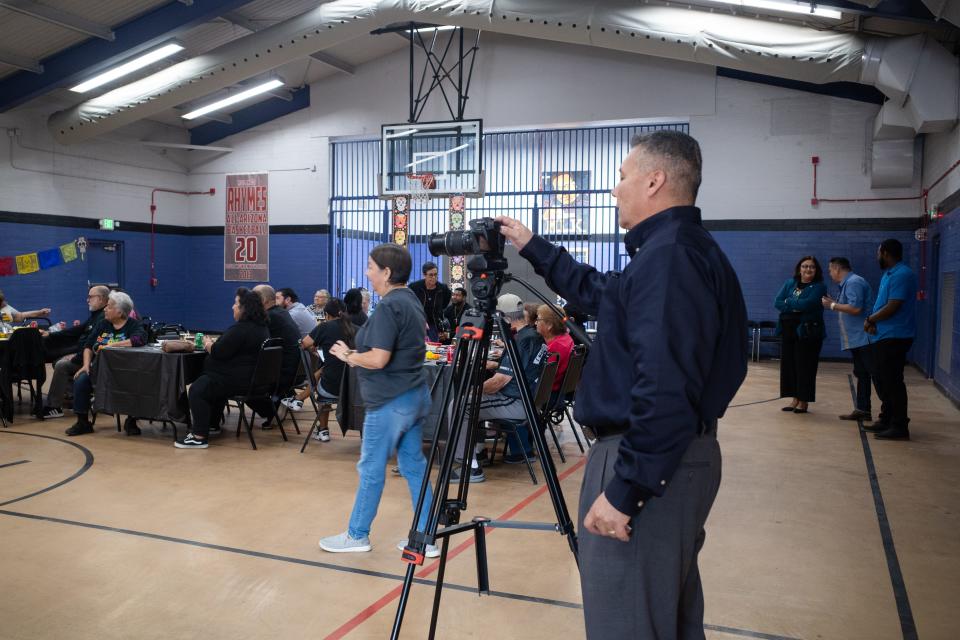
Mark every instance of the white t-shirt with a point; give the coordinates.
(8, 311)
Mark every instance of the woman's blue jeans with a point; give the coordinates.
(394, 426)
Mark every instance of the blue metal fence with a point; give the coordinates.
(556, 181)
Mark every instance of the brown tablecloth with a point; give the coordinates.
(145, 382)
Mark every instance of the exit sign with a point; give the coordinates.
(107, 224)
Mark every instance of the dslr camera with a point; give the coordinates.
(482, 238)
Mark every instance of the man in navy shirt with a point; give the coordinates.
(670, 353)
(852, 305)
(892, 326)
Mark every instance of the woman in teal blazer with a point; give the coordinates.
(802, 332)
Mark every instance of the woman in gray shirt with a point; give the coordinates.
(389, 361)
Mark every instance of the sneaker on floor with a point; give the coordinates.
(267, 424)
(857, 414)
(49, 413)
(432, 550)
(79, 428)
(323, 435)
(215, 430)
(476, 475)
(343, 543)
(130, 426)
(517, 458)
(191, 442)
(292, 403)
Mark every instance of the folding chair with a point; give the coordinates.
(301, 372)
(27, 365)
(541, 395)
(769, 338)
(564, 400)
(263, 385)
(320, 404)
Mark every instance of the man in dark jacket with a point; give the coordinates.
(433, 295)
(670, 353)
(281, 326)
(453, 312)
(71, 341)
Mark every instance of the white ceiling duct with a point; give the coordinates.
(944, 10)
(717, 39)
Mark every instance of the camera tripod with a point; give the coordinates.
(464, 389)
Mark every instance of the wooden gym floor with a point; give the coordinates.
(106, 536)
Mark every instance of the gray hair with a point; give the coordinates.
(323, 292)
(678, 154)
(122, 302)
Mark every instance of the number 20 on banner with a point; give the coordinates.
(245, 249)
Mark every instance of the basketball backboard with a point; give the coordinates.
(448, 154)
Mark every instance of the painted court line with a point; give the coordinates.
(13, 464)
(907, 625)
(394, 593)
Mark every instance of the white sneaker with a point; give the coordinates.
(292, 403)
(432, 551)
(343, 543)
(323, 435)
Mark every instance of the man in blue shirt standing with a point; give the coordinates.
(852, 305)
(892, 326)
(670, 353)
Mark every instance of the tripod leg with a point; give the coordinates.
(439, 589)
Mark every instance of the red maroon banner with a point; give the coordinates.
(246, 229)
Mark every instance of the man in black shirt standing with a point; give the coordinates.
(433, 295)
(670, 353)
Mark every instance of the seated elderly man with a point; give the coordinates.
(66, 367)
(281, 326)
(9, 314)
(287, 299)
(320, 300)
(501, 392)
(116, 330)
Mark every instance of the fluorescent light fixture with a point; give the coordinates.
(235, 98)
(128, 67)
(445, 27)
(789, 7)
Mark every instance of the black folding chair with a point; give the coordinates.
(263, 386)
(541, 401)
(564, 399)
(27, 365)
(770, 337)
(320, 403)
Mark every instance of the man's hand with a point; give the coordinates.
(604, 520)
(826, 301)
(340, 350)
(515, 232)
(43, 313)
(870, 327)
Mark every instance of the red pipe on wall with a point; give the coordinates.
(154, 282)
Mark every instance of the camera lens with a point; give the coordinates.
(453, 243)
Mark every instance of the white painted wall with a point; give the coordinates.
(102, 179)
(757, 139)
(940, 151)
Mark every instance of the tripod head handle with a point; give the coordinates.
(575, 330)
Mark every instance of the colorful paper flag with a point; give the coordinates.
(28, 263)
(69, 251)
(50, 258)
(7, 266)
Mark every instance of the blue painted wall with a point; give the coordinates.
(765, 259)
(926, 348)
(190, 270)
(192, 290)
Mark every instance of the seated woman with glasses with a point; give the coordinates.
(228, 369)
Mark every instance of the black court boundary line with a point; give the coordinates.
(747, 404)
(87, 463)
(13, 464)
(335, 567)
(907, 625)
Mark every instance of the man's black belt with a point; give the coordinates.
(707, 428)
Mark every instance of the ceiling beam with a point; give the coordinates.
(334, 62)
(93, 56)
(59, 18)
(190, 147)
(20, 62)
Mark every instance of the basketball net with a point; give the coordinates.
(421, 184)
